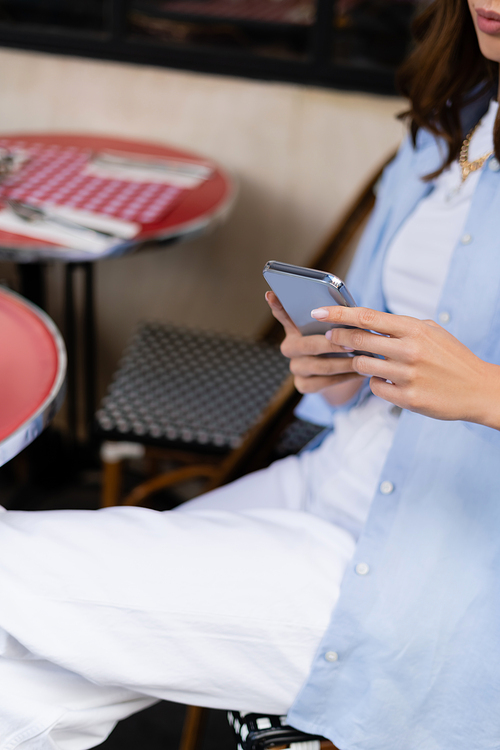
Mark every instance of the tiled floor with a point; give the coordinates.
(45, 478)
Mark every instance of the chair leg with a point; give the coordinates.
(194, 728)
(170, 478)
(111, 483)
(112, 457)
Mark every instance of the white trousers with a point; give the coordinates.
(221, 603)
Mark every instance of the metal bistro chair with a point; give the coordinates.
(266, 732)
(212, 404)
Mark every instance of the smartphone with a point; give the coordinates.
(301, 290)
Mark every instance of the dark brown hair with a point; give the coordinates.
(438, 77)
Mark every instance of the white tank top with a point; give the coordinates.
(419, 256)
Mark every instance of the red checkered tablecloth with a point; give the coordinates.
(56, 174)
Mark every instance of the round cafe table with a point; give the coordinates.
(196, 211)
(32, 372)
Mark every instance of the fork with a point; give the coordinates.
(30, 213)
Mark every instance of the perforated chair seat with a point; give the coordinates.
(176, 385)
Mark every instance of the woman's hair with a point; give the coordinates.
(442, 71)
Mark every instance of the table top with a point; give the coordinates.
(196, 210)
(32, 372)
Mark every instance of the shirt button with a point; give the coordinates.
(444, 317)
(494, 165)
(466, 239)
(362, 569)
(386, 487)
(331, 656)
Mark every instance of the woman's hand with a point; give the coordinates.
(335, 377)
(426, 369)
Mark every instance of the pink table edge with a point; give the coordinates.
(36, 422)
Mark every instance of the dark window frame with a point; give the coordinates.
(114, 44)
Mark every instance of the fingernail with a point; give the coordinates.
(320, 314)
(347, 348)
(328, 335)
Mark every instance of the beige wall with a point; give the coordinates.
(299, 154)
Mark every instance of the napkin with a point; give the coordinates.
(77, 239)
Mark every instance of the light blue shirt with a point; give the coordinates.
(411, 658)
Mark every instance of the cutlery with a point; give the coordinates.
(30, 213)
(191, 169)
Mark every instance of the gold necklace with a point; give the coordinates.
(470, 166)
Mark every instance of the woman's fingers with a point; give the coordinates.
(329, 366)
(316, 383)
(279, 313)
(364, 317)
(371, 367)
(364, 341)
(295, 344)
(386, 390)
(309, 346)
(310, 362)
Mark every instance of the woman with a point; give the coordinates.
(356, 585)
